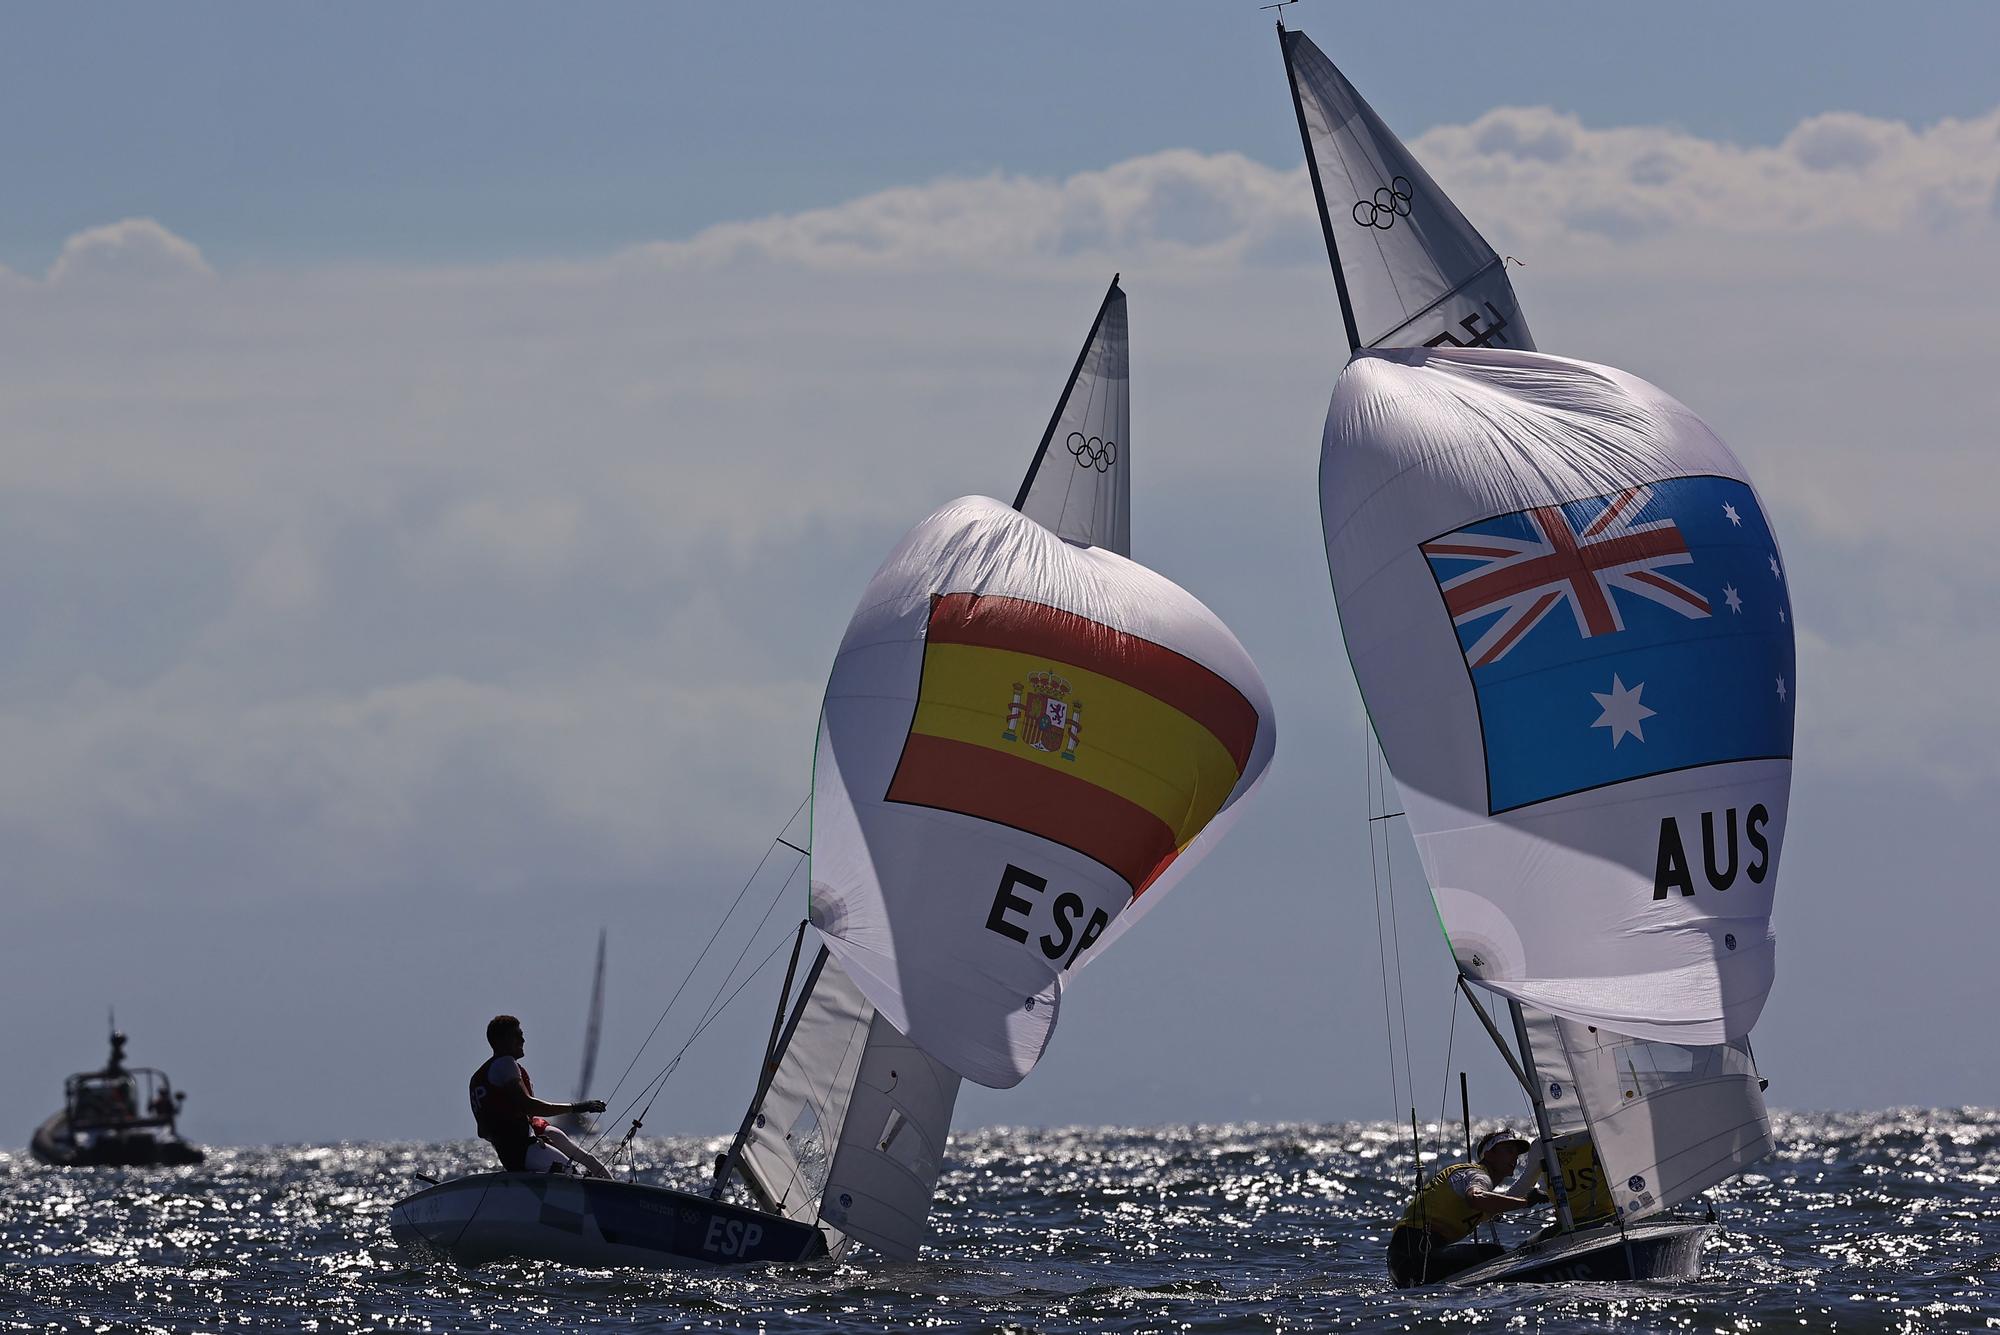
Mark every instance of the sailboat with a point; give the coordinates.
(584, 1124)
(1569, 619)
(1026, 739)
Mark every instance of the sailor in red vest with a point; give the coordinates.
(514, 1120)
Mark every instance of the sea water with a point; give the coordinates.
(1885, 1221)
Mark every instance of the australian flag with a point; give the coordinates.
(1622, 635)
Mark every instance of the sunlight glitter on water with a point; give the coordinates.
(1872, 1222)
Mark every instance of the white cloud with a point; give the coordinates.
(134, 250)
(531, 572)
(1530, 173)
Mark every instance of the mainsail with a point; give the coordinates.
(1079, 486)
(1412, 271)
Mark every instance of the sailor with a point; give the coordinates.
(1427, 1245)
(514, 1120)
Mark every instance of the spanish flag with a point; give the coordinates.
(1093, 738)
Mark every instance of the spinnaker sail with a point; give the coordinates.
(1020, 740)
(1568, 616)
(1412, 271)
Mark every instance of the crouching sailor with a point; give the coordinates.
(1428, 1244)
(514, 1120)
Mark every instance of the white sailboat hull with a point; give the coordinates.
(592, 1222)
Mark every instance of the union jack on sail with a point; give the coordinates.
(1556, 560)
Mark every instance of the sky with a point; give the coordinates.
(443, 445)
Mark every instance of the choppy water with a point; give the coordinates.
(1865, 1222)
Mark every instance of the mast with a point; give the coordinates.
(594, 1025)
(1549, 1162)
(1055, 418)
(1319, 196)
(774, 1051)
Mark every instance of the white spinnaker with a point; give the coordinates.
(1080, 486)
(1417, 273)
(1555, 898)
(1669, 1120)
(851, 1133)
(961, 928)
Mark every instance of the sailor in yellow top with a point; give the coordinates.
(1427, 1245)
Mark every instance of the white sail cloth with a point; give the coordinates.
(1081, 485)
(1569, 621)
(1020, 742)
(1668, 1121)
(1417, 273)
(851, 1133)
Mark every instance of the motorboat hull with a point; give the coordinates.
(1653, 1249)
(53, 1144)
(592, 1222)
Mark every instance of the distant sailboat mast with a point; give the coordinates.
(593, 1026)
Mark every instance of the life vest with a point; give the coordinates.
(1439, 1208)
(501, 1113)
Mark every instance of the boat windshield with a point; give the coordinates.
(134, 1097)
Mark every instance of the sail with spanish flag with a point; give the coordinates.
(1027, 739)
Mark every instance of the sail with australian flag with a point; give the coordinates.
(1569, 618)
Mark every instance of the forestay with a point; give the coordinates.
(1669, 1121)
(851, 1133)
(1020, 741)
(1080, 484)
(1569, 620)
(1416, 273)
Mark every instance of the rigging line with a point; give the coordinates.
(652, 1089)
(1451, 1036)
(1381, 944)
(710, 1011)
(749, 941)
(689, 977)
(1395, 927)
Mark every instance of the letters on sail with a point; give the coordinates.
(1415, 273)
(1022, 740)
(1570, 621)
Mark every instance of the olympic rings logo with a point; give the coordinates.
(1093, 452)
(1391, 202)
